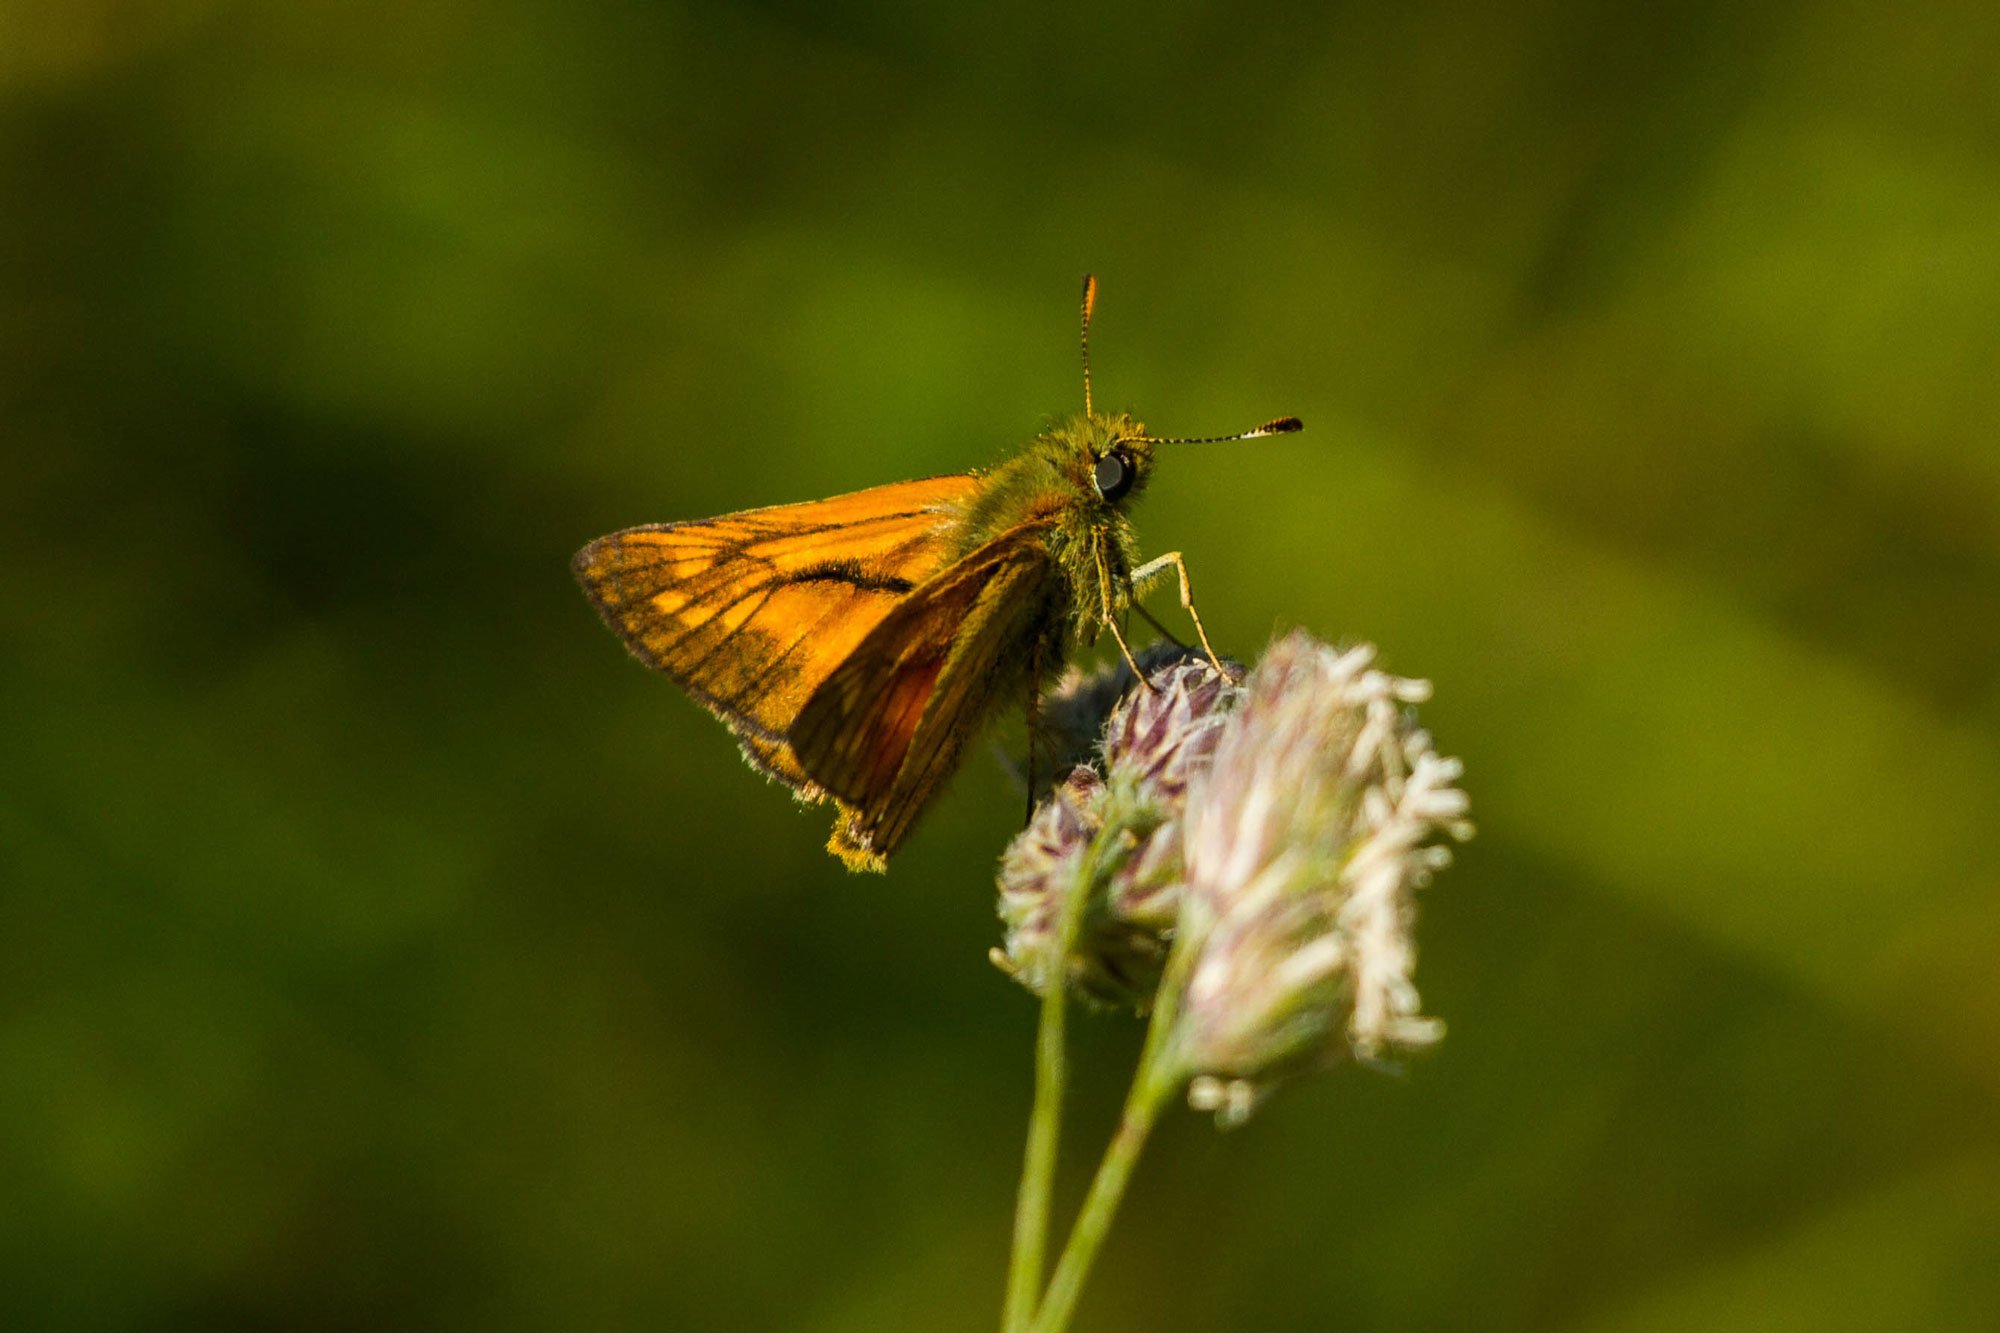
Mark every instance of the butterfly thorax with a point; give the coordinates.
(1049, 486)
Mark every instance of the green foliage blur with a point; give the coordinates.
(384, 949)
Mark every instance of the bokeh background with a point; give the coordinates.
(381, 948)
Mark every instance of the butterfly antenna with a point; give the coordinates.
(1089, 304)
(1282, 426)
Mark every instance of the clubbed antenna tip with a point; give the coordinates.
(1282, 426)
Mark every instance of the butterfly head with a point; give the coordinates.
(1113, 457)
(1115, 449)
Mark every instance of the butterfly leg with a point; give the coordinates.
(1111, 621)
(1158, 566)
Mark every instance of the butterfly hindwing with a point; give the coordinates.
(752, 612)
(883, 731)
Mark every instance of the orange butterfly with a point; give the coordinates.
(855, 644)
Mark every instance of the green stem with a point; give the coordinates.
(1038, 1166)
(1142, 1106)
(1031, 1206)
(1155, 1080)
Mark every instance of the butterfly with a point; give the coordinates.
(854, 645)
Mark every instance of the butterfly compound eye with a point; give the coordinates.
(1113, 476)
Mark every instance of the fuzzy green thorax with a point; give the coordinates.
(1051, 482)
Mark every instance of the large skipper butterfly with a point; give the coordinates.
(855, 644)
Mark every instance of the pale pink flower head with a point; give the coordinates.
(1306, 840)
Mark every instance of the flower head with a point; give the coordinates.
(1156, 742)
(1071, 716)
(1304, 844)
(1118, 826)
(1037, 869)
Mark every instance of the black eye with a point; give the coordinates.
(1113, 476)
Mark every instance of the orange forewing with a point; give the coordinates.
(884, 730)
(751, 613)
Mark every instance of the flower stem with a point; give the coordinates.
(1155, 1080)
(1031, 1207)
(1142, 1107)
(1038, 1166)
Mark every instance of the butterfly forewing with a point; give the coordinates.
(752, 612)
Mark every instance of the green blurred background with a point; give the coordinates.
(384, 949)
